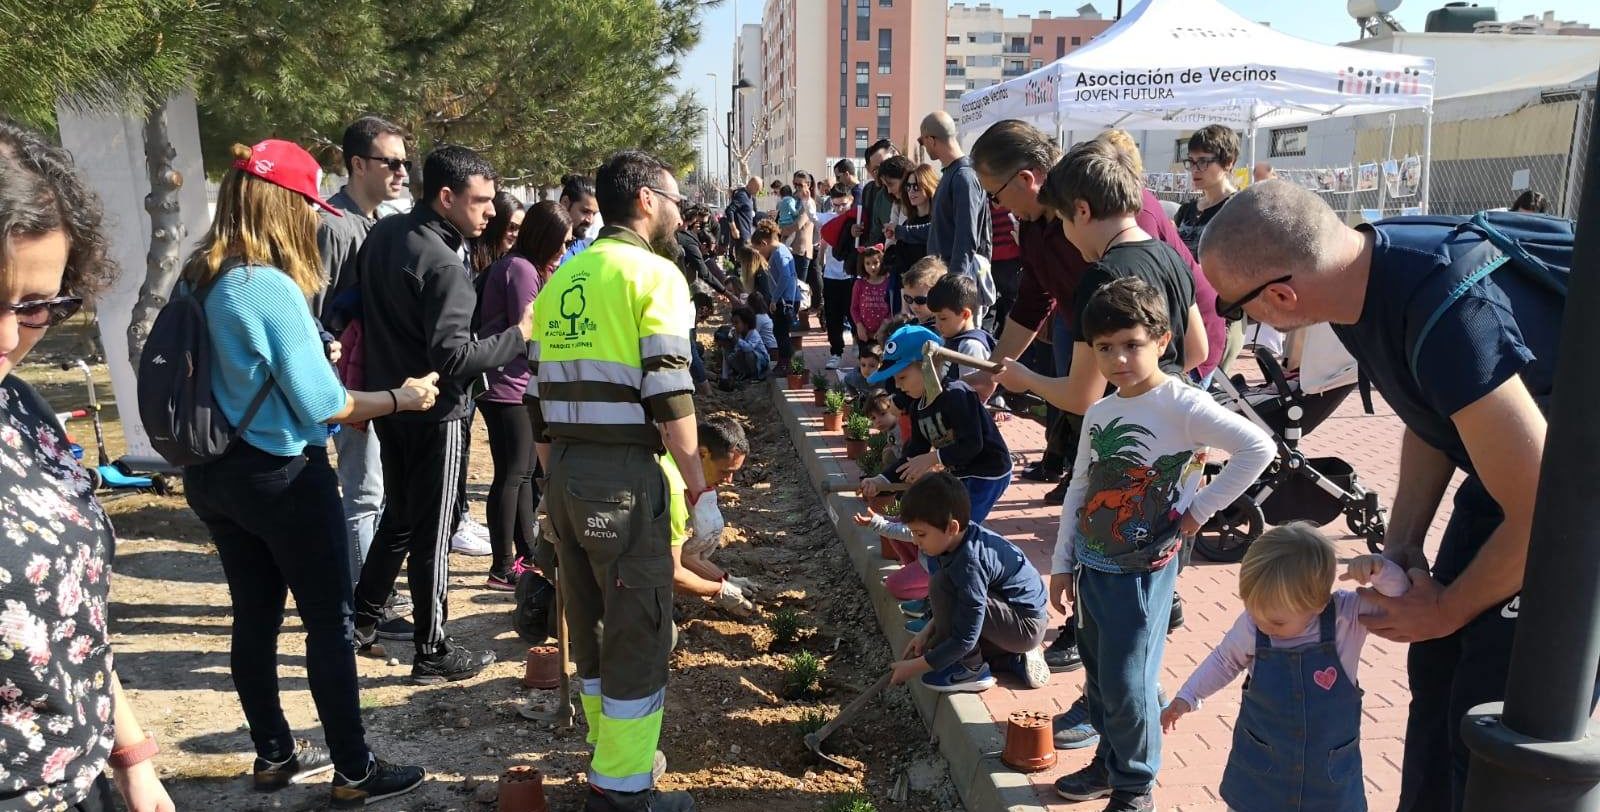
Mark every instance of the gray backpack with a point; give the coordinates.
(176, 404)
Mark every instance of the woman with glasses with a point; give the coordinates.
(510, 285)
(915, 200)
(63, 716)
(271, 503)
(1212, 152)
(500, 235)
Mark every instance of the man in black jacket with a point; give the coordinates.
(418, 299)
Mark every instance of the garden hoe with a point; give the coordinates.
(933, 355)
(562, 713)
(839, 483)
(814, 740)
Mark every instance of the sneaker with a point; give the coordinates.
(1175, 620)
(1087, 784)
(452, 664)
(398, 605)
(914, 608)
(1058, 494)
(917, 624)
(397, 628)
(956, 678)
(605, 800)
(1123, 801)
(383, 780)
(468, 539)
(1062, 655)
(1072, 730)
(1041, 471)
(833, 362)
(501, 583)
(1035, 672)
(365, 636)
(307, 761)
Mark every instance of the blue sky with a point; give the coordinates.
(1320, 20)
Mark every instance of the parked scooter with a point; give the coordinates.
(125, 473)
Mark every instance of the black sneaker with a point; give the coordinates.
(365, 637)
(1175, 620)
(1042, 471)
(1058, 494)
(383, 780)
(451, 664)
(1072, 730)
(605, 800)
(1122, 801)
(397, 628)
(1062, 655)
(308, 761)
(1087, 784)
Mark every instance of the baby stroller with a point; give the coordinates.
(1294, 487)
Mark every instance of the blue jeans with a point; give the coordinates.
(360, 488)
(1122, 632)
(984, 493)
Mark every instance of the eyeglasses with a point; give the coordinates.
(1199, 163)
(918, 300)
(672, 196)
(994, 196)
(1235, 310)
(394, 164)
(41, 313)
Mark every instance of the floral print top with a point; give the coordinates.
(55, 570)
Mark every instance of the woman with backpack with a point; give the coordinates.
(271, 501)
(63, 716)
(509, 286)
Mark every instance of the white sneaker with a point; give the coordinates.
(833, 362)
(471, 538)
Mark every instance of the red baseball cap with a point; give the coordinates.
(286, 164)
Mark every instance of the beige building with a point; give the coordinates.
(984, 47)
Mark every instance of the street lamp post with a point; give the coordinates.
(711, 122)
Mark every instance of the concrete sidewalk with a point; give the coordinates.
(970, 727)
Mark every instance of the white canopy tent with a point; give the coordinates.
(1183, 64)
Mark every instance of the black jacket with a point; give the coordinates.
(742, 211)
(417, 302)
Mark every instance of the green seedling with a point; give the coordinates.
(852, 803)
(797, 365)
(858, 427)
(833, 402)
(786, 626)
(810, 721)
(819, 380)
(802, 675)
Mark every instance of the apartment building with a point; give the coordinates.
(841, 74)
(984, 46)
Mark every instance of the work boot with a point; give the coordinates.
(605, 800)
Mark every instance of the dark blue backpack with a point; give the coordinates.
(1537, 247)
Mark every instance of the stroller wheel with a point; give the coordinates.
(1229, 533)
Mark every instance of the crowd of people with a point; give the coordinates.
(1056, 277)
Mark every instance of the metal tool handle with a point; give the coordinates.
(936, 353)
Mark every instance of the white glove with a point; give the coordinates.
(746, 585)
(707, 521)
(731, 599)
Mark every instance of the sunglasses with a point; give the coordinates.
(1235, 310)
(394, 164)
(1199, 163)
(994, 196)
(42, 313)
(918, 300)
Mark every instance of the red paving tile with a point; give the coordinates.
(1196, 753)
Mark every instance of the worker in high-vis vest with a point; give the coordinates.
(611, 394)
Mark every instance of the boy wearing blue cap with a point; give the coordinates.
(951, 431)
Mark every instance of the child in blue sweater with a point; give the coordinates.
(988, 600)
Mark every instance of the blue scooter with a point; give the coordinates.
(124, 474)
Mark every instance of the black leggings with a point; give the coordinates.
(835, 310)
(512, 494)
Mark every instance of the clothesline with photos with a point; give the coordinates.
(1400, 178)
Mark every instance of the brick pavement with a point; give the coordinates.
(1195, 754)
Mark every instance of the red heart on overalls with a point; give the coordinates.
(1326, 677)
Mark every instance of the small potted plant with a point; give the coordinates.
(819, 387)
(833, 410)
(871, 461)
(797, 371)
(856, 431)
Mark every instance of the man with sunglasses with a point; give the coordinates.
(1471, 391)
(377, 171)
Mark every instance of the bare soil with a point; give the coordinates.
(729, 736)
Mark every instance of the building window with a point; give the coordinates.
(883, 115)
(952, 95)
(862, 138)
(1289, 142)
(862, 75)
(956, 40)
(1061, 47)
(1038, 40)
(863, 20)
(1077, 41)
(885, 49)
(1038, 63)
(885, 3)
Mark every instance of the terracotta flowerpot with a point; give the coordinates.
(853, 449)
(886, 549)
(796, 381)
(798, 343)
(819, 397)
(543, 668)
(1029, 743)
(882, 502)
(522, 790)
(832, 421)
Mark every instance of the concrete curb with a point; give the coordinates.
(967, 737)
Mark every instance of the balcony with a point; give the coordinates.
(1015, 50)
(951, 71)
(1011, 72)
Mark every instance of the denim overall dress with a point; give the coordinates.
(1297, 744)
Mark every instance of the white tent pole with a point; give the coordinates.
(1253, 132)
(1427, 162)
